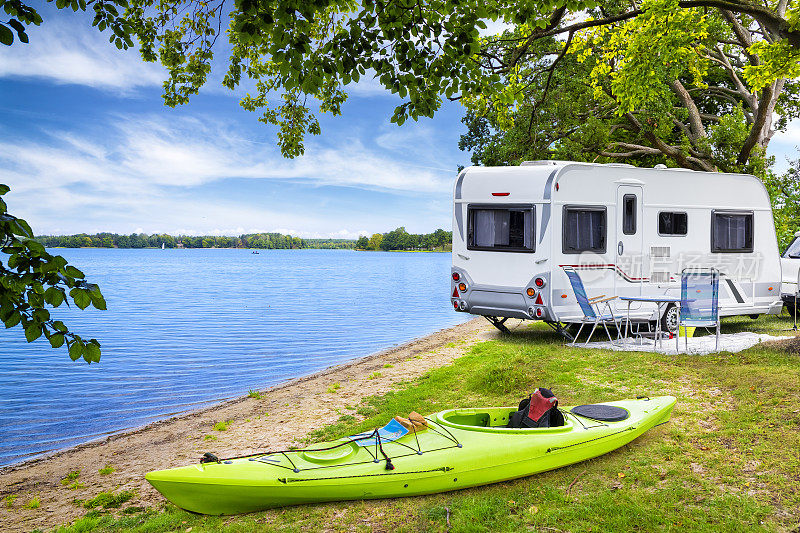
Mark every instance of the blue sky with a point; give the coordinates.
(87, 145)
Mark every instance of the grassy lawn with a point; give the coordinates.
(728, 461)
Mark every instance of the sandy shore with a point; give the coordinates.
(284, 415)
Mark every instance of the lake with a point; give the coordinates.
(187, 328)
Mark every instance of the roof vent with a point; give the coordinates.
(537, 163)
(660, 166)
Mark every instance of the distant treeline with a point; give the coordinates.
(141, 240)
(400, 239)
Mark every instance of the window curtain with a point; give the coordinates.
(501, 227)
(730, 232)
(484, 228)
(528, 231)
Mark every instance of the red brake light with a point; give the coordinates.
(500, 193)
(456, 276)
(539, 312)
(539, 282)
(455, 306)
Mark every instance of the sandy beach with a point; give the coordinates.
(281, 417)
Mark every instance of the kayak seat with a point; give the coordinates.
(601, 412)
(490, 419)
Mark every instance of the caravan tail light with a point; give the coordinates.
(539, 282)
(462, 287)
(539, 312)
(455, 305)
(531, 292)
(463, 305)
(456, 276)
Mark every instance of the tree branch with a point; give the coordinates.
(696, 123)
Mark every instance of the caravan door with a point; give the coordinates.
(629, 261)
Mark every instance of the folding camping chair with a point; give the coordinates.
(699, 302)
(592, 313)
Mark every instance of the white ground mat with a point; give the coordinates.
(730, 342)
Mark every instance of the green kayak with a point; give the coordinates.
(460, 448)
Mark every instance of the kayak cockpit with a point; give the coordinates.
(490, 419)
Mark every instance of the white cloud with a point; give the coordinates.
(143, 169)
(68, 53)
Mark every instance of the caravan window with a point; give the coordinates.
(501, 228)
(584, 229)
(672, 223)
(629, 214)
(731, 232)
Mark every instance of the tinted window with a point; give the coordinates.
(731, 232)
(508, 229)
(629, 214)
(793, 251)
(672, 223)
(584, 230)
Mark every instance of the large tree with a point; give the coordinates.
(682, 87)
(301, 52)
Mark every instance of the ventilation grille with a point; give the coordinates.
(659, 252)
(659, 277)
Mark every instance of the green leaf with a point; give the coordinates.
(75, 350)
(98, 301)
(4, 188)
(81, 297)
(54, 296)
(57, 340)
(6, 35)
(73, 272)
(35, 247)
(92, 351)
(13, 320)
(33, 331)
(25, 229)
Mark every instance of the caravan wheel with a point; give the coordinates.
(669, 321)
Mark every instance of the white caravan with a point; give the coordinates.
(627, 231)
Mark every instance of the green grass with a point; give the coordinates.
(222, 425)
(727, 462)
(109, 500)
(333, 387)
(254, 394)
(9, 500)
(106, 470)
(71, 477)
(33, 503)
(375, 375)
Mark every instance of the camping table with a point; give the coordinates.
(659, 301)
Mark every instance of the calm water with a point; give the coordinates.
(185, 328)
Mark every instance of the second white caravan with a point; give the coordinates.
(627, 231)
